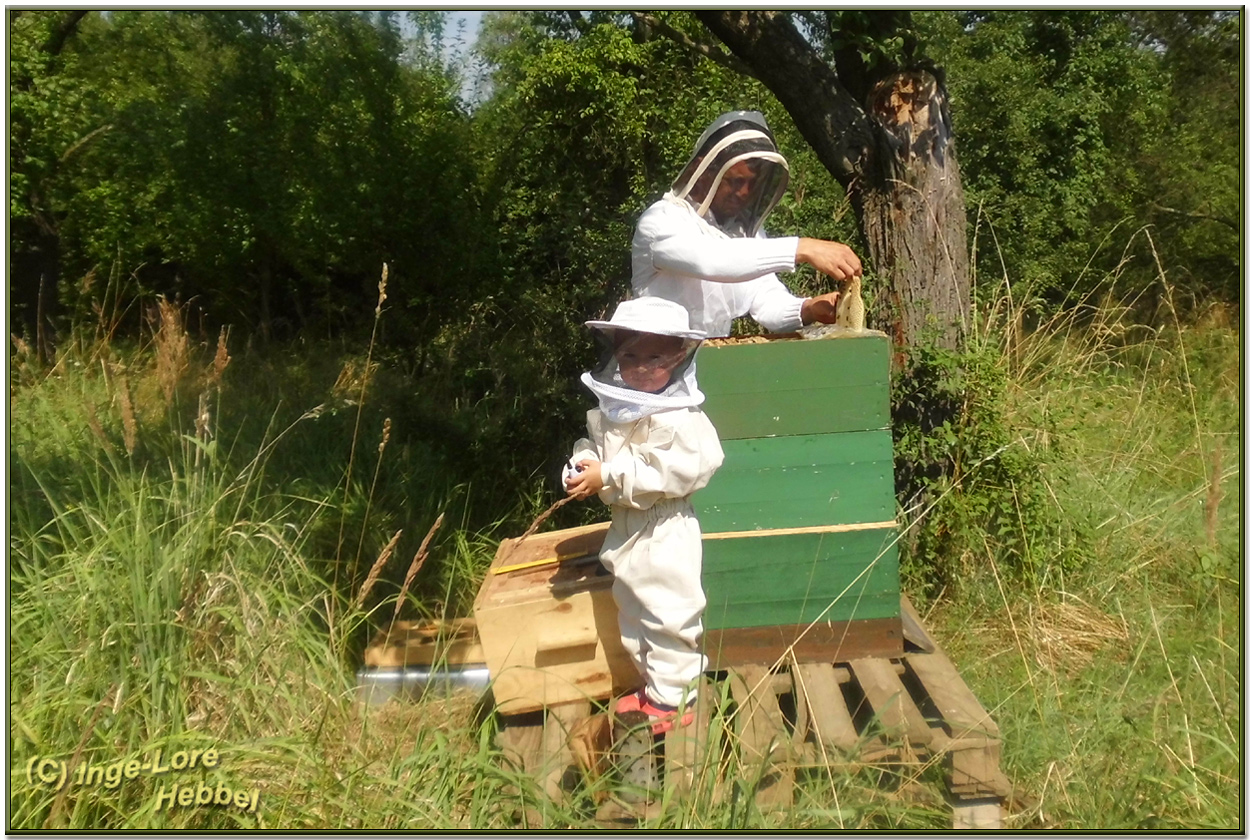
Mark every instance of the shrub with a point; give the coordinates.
(968, 480)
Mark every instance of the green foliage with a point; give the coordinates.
(46, 112)
(266, 163)
(882, 40)
(970, 482)
(1189, 186)
(1076, 129)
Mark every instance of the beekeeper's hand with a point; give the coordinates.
(586, 481)
(820, 310)
(832, 258)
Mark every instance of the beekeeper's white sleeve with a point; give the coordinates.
(679, 256)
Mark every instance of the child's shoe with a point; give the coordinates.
(662, 717)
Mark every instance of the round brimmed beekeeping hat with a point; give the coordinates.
(655, 315)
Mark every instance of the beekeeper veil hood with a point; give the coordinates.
(736, 176)
(646, 355)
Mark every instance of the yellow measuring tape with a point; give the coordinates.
(559, 558)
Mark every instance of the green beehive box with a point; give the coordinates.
(799, 550)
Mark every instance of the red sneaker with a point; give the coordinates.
(663, 718)
(631, 702)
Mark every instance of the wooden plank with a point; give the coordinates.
(550, 635)
(790, 412)
(682, 753)
(890, 700)
(977, 814)
(961, 713)
(966, 726)
(802, 719)
(763, 742)
(557, 754)
(522, 744)
(757, 721)
(591, 743)
(913, 630)
(835, 641)
(811, 529)
(800, 480)
(975, 770)
(570, 542)
(817, 688)
(711, 723)
(747, 612)
(851, 551)
(545, 561)
(782, 387)
(453, 642)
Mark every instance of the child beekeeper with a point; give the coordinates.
(650, 448)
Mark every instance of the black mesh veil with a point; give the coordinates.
(736, 176)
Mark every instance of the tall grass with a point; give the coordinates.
(1116, 680)
(172, 589)
(176, 511)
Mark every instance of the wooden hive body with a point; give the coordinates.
(799, 532)
(547, 622)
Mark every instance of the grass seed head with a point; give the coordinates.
(418, 560)
(130, 427)
(171, 348)
(220, 359)
(376, 569)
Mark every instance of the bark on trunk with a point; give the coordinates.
(828, 117)
(911, 208)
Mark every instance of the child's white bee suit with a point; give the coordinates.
(655, 449)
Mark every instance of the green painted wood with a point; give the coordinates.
(792, 578)
(796, 387)
(805, 428)
(800, 481)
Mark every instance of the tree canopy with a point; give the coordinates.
(263, 164)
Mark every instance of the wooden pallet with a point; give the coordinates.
(912, 709)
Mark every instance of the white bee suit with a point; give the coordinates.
(650, 467)
(720, 269)
(681, 257)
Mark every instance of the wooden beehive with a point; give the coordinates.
(425, 643)
(547, 622)
(799, 530)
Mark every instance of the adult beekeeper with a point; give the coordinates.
(650, 447)
(702, 245)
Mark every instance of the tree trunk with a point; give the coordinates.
(911, 210)
(894, 156)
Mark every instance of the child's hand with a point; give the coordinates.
(586, 481)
